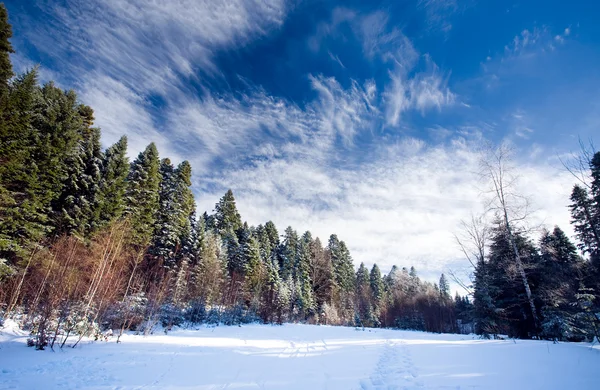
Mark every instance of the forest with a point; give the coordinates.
(91, 241)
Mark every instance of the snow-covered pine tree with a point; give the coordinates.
(111, 195)
(165, 241)
(377, 293)
(227, 219)
(142, 195)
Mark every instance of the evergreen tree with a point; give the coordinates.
(363, 296)
(344, 277)
(321, 274)
(165, 242)
(6, 72)
(60, 127)
(185, 208)
(75, 209)
(255, 272)
(227, 217)
(142, 195)
(113, 185)
(287, 253)
(306, 303)
(559, 284)
(444, 287)
(23, 214)
(376, 282)
(585, 221)
(486, 315)
(505, 285)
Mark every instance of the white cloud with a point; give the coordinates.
(422, 91)
(343, 112)
(401, 207)
(407, 88)
(122, 52)
(438, 13)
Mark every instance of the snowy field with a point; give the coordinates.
(299, 357)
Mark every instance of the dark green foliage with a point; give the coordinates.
(142, 195)
(585, 221)
(287, 253)
(227, 218)
(111, 194)
(74, 212)
(5, 49)
(22, 213)
(166, 230)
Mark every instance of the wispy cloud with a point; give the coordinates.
(422, 91)
(126, 51)
(439, 12)
(401, 207)
(409, 86)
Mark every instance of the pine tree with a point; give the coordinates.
(254, 270)
(306, 304)
(287, 253)
(485, 313)
(165, 241)
(363, 296)
(6, 48)
(377, 293)
(75, 209)
(227, 217)
(113, 185)
(584, 220)
(321, 275)
(60, 127)
(444, 287)
(23, 215)
(343, 275)
(505, 285)
(142, 195)
(559, 284)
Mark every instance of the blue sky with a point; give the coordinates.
(360, 118)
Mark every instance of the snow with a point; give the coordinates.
(298, 357)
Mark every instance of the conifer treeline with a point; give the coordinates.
(89, 240)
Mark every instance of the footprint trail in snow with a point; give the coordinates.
(395, 369)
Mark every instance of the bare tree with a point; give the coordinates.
(509, 206)
(579, 164)
(473, 242)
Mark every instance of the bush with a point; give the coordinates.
(170, 316)
(196, 313)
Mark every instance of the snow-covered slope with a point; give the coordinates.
(300, 357)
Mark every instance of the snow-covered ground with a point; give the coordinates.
(299, 357)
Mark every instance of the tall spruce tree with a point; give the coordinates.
(165, 242)
(287, 253)
(6, 72)
(142, 195)
(559, 284)
(585, 221)
(444, 287)
(306, 304)
(113, 185)
(377, 292)
(22, 213)
(364, 313)
(75, 209)
(186, 208)
(227, 218)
